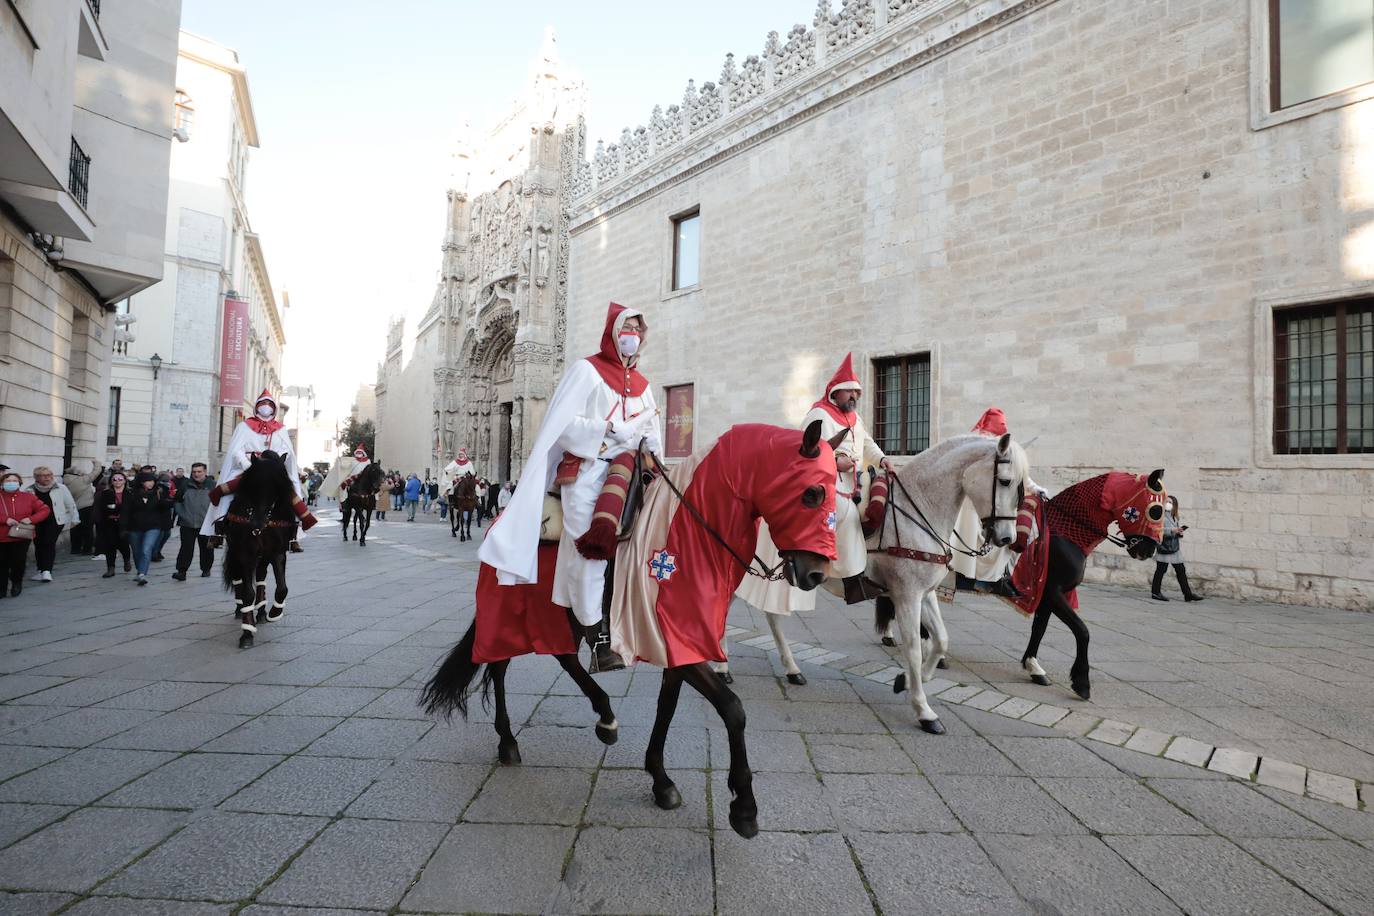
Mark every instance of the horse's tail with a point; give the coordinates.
(884, 612)
(224, 565)
(449, 689)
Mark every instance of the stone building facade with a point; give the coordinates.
(172, 415)
(487, 353)
(1101, 217)
(85, 130)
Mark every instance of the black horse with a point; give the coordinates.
(257, 530)
(361, 501)
(462, 503)
(1080, 515)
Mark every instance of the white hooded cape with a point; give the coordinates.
(237, 458)
(511, 546)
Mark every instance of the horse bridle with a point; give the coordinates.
(920, 520)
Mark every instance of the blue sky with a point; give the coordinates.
(358, 105)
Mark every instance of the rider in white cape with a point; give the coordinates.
(601, 408)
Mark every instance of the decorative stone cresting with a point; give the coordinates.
(832, 48)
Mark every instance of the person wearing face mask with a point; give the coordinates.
(21, 512)
(256, 434)
(63, 513)
(601, 408)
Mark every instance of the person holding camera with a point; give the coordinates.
(1170, 553)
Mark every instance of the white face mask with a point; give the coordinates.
(266, 412)
(628, 344)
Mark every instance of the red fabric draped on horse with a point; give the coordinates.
(1071, 525)
(674, 579)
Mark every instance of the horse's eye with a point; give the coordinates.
(813, 497)
(1005, 483)
(1155, 512)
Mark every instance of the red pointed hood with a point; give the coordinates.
(360, 453)
(844, 377)
(992, 423)
(265, 427)
(617, 371)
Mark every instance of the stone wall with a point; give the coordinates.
(54, 359)
(1065, 205)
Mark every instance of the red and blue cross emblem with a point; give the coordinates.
(662, 565)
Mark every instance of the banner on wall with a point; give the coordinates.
(233, 355)
(681, 421)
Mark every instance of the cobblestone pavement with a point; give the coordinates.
(147, 766)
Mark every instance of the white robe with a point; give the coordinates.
(575, 422)
(238, 457)
(345, 466)
(851, 551)
(452, 472)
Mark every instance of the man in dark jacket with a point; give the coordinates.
(192, 502)
(141, 518)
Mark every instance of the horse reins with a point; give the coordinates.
(923, 523)
(769, 573)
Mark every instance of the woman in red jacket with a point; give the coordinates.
(16, 507)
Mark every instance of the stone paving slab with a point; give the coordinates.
(148, 766)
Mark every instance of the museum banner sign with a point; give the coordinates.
(233, 357)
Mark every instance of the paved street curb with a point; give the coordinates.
(1238, 764)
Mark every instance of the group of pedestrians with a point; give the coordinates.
(116, 512)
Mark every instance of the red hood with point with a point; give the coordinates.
(615, 371)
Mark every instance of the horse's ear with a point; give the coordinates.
(810, 447)
(838, 439)
(1004, 444)
(1156, 481)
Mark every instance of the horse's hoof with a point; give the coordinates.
(260, 616)
(508, 754)
(607, 733)
(889, 642)
(747, 827)
(1084, 691)
(1042, 679)
(668, 798)
(941, 664)
(725, 677)
(281, 612)
(245, 640)
(899, 683)
(798, 679)
(933, 726)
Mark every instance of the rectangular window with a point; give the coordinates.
(112, 437)
(901, 413)
(681, 422)
(1324, 379)
(1319, 48)
(686, 249)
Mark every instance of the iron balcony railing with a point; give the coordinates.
(79, 174)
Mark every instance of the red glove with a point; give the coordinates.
(215, 494)
(1022, 539)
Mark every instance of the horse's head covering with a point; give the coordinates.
(618, 371)
(360, 453)
(1136, 502)
(992, 423)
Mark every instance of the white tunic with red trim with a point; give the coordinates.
(245, 443)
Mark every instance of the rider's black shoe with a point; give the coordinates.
(598, 637)
(1002, 588)
(295, 547)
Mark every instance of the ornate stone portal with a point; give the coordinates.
(494, 331)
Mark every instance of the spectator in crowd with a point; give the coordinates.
(431, 491)
(80, 480)
(21, 512)
(412, 496)
(398, 491)
(442, 500)
(191, 503)
(109, 505)
(1170, 553)
(503, 499)
(116, 467)
(168, 486)
(61, 513)
(482, 489)
(141, 519)
(494, 489)
(424, 495)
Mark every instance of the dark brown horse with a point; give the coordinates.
(257, 530)
(361, 501)
(462, 505)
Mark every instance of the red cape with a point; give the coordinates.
(515, 620)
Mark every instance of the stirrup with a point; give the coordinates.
(598, 637)
(861, 588)
(215, 541)
(295, 547)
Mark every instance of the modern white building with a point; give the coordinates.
(168, 405)
(85, 127)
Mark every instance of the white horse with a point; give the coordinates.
(924, 499)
